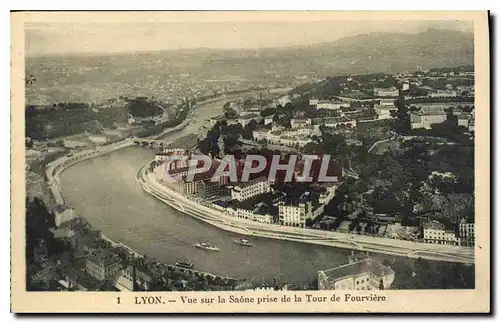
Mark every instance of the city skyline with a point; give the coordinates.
(113, 37)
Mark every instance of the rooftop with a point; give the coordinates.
(368, 265)
(434, 225)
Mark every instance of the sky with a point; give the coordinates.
(46, 38)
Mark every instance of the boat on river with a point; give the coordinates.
(243, 242)
(207, 246)
(184, 263)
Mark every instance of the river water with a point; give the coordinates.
(103, 190)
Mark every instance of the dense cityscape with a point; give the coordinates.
(398, 210)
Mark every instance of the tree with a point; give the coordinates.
(38, 222)
(249, 129)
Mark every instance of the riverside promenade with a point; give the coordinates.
(362, 243)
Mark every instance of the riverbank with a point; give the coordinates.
(304, 235)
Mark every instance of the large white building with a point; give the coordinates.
(434, 232)
(327, 104)
(285, 137)
(386, 92)
(300, 122)
(426, 117)
(250, 215)
(367, 274)
(250, 189)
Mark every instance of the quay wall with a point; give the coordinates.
(328, 238)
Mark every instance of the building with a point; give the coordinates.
(214, 120)
(98, 140)
(340, 121)
(367, 274)
(102, 264)
(253, 215)
(463, 120)
(434, 232)
(329, 105)
(442, 94)
(295, 215)
(300, 123)
(68, 143)
(426, 117)
(40, 251)
(471, 124)
(125, 281)
(63, 214)
(466, 233)
(250, 189)
(386, 92)
(269, 119)
(383, 109)
(245, 119)
(200, 186)
(285, 137)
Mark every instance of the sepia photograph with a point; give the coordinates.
(250, 161)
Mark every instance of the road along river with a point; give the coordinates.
(104, 191)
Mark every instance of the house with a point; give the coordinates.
(434, 232)
(246, 119)
(427, 116)
(386, 92)
(250, 189)
(329, 105)
(63, 214)
(214, 120)
(366, 274)
(300, 122)
(102, 264)
(253, 215)
(466, 230)
(295, 215)
(98, 140)
(269, 119)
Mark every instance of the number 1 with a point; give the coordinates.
(118, 300)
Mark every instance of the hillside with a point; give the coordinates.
(93, 78)
(381, 52)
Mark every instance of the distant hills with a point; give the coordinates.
(89, 78)
(374, 52)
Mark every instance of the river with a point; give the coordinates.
(104, 191)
